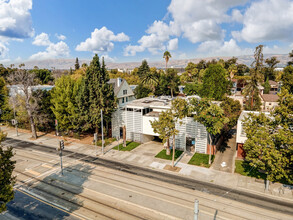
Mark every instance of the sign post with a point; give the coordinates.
(196, 211)
(56, 126)
(14, 122)
(61, 143)
(96, 142)
(102, 132)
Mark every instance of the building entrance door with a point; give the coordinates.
(190, 142)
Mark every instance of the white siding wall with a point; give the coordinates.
(118, 120)
(147, 127)
(133, 125)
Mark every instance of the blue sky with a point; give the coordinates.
(132, 30)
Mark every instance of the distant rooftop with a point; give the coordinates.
(160, 102)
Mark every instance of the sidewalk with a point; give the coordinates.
(144, 154)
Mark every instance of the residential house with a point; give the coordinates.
(17, 89)
(269, 102)
(274, 87)
(136, 117)
(122, 91)
(240, 134)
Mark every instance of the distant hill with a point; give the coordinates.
(67, 63)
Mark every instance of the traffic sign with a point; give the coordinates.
(14, 122)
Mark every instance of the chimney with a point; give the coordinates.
(119, 81)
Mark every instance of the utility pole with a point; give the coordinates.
(96, 142)
(56, 125)
(118, 127)
(102, 132)
(196, 211)
(15, 120)
(61, 145)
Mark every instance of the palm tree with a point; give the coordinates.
(167, 56)
(150, 80)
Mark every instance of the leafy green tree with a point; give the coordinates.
(143, 69)
(269, 72)
(7, 181)
(201, 65)
(287, 78)
(268, 147)
(142, 91)
(267, 87)
(283, 113)
(215, 85)
(211, 116)
(232, 110)
(242, 69)
(191, 74)
(4, 101)
(165, 127)
(168, 83)
(192, 88)
(230, 62)
(46, 117)
(167, 56)
(63, 102)
(76, 65)
(43, 76)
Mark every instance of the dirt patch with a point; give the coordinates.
(170, 168)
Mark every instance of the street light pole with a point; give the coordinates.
(118, 128)
(102, 132)
(15, 119)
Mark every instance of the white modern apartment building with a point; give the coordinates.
(136, 117)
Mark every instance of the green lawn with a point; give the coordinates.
(201, 160)
(242, 167)
(129, 146)
(163, 155)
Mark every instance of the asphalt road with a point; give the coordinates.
(28, 207)
(240, 196)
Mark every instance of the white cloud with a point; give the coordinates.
(101, 40)
(42, 40)
(131, 50)
(6, 61)
(173, 44)
(3, 50)
(109, 59)
(59, 49)
(222, 48)
(237, 16)
(267, 20)
(15, 18)
(195, 20)
(60, 36)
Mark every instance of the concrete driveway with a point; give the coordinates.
(151, 148)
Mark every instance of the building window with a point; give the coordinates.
(123, 100)
(125, 92)
(126, 99)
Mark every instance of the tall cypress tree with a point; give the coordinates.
(76, 64)
(95, 94)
